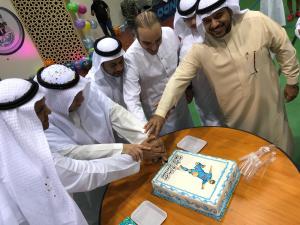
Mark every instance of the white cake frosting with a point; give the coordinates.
(197, 181)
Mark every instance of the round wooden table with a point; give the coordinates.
(271, 197)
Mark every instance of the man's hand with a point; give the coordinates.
(135, 150)
(154, 125)
(158, 150)
(291, 92)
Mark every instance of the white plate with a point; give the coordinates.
(148, 214)
(191, 144)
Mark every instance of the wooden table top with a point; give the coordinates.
(271, 197)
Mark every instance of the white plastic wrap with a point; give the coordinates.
(251, 163)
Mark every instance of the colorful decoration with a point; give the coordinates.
(11, 32)
(93, 23)
(82, 9)
(87, 26)
(72, 7)
(77, 65)
(91, 51)
(85, 63)
(79, 23)
(88, 43)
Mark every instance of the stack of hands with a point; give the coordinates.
(152, 149)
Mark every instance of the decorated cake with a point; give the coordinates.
(200, 182)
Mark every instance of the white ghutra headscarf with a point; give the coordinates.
(60, 86)
(106, 49)
(185, 9)
(30, 189)
(208, 7)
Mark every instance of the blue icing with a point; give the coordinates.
(127, 221)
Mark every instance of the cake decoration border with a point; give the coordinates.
(224, 204)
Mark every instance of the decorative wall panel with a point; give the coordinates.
(51, 29)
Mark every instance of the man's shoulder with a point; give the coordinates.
(253, 15)
(168, 30)
(133, 49)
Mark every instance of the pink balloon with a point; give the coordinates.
(82, 9)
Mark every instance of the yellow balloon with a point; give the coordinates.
(87, 25)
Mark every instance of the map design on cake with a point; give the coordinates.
(200, 182)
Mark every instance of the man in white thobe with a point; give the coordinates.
(205, 97)
(83, 118)
(30, 190)
(82, 123)
(241, 71)
(108, 68)
(151, 60)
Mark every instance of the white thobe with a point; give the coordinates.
(205, 97)
(82, 176)
(109, 85)
(123, 122)
(146, 77)
(112, 87)
(297, 28)
(86, 175)
(274, 9)
(10, 213)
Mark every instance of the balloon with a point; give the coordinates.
(72, 7)
(79, 23)
(86, 63)
(75, 7)
(69, 6)
(87, 26)
(48, 62)
(72, 66)
(91, 55)
(88, 43)
(77, 65)
(84, 59)
(93, 24)
(82, 9)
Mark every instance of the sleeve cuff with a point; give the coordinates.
(161, 112)
(292, 81)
